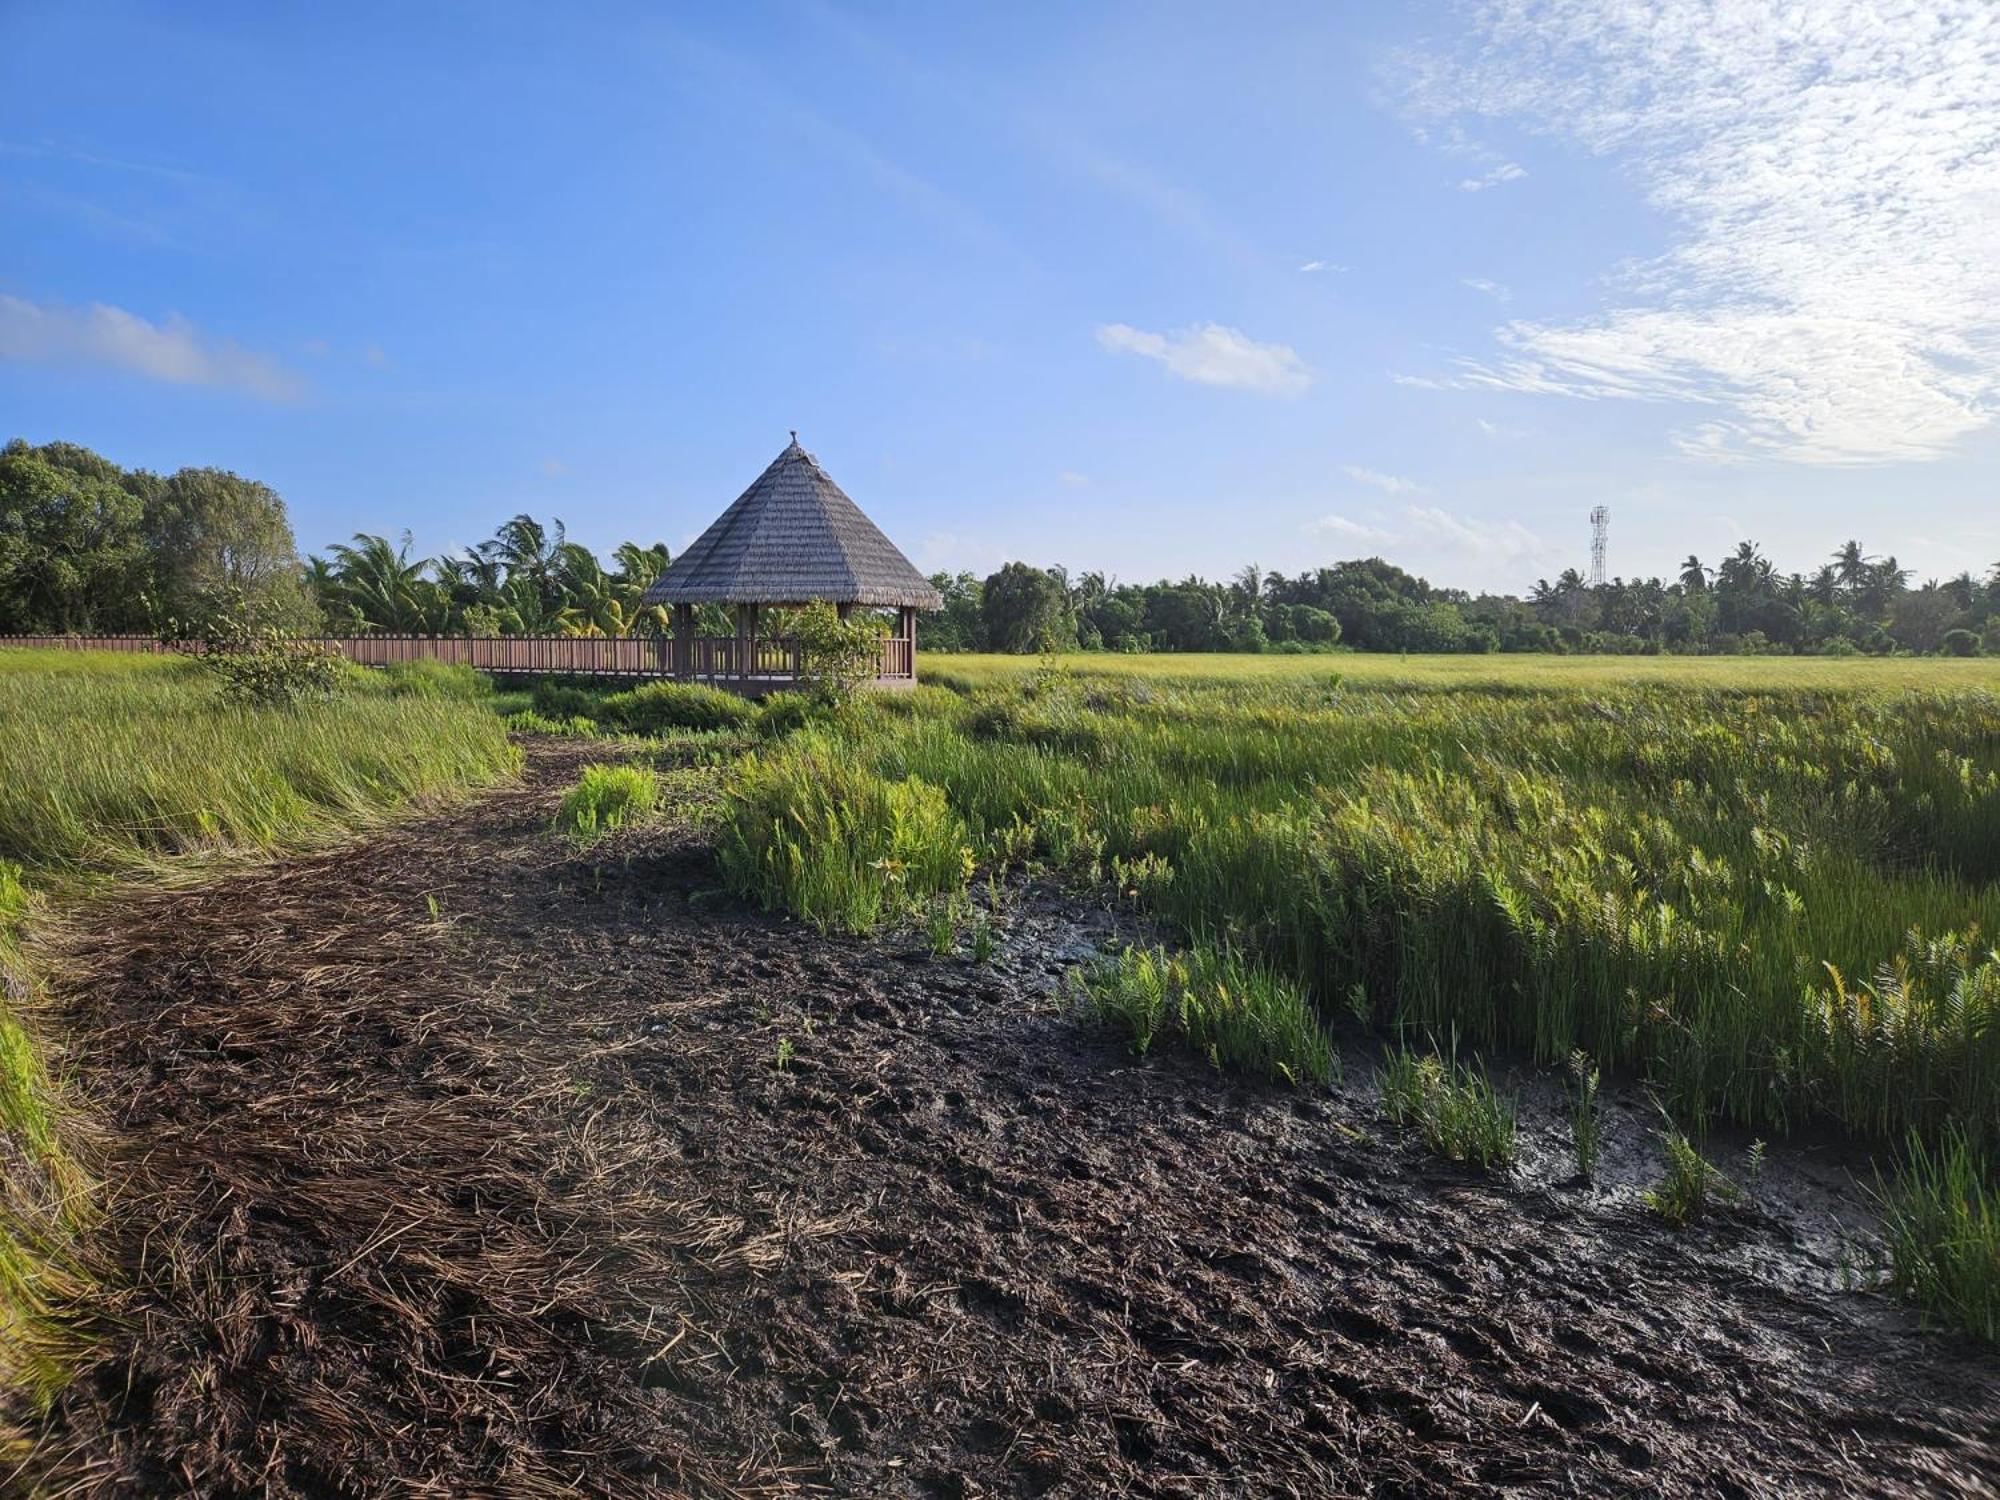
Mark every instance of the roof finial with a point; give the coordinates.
(795, 437)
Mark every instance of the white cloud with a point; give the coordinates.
(1834, 173)
(553, 468)
(1507, 171)
(1461, 549)
(376, 356)
(1355, 531)
(1388, 484)
(1074, 480)
(1321, 265)
(1211, 354)
(173, 351)
(1493, 541)
(1491, 288)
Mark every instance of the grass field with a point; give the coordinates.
(1754, 673)
(119, 766)
(1768, 888)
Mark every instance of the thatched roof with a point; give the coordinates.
(791, 538)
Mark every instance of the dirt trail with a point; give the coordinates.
(463, 1164)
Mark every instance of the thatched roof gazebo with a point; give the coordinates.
(792, 538)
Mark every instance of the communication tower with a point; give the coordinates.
(1600, 531)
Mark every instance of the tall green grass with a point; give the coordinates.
(112, 766)
(1240, 1016)
(1769, 889)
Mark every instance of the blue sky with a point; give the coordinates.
(1148, 288)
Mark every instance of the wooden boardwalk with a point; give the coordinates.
(733, 662)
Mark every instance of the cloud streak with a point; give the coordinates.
(173, 351)
(1211, 354)
(1833, 170)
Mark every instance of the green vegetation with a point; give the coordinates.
(607, 797)
(1584, 1124)
(1453, 1105)
(109, 765)
(809, 830)
(659, 706)
(1682, 868)
(1693, 1183)
(1942, 1219)
(1239, 1015)
(1851, 604)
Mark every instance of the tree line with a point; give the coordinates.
(1854, 603)
(89, 548)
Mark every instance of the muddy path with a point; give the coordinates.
(462, 1163)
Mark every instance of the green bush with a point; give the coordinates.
(675, 705)
(528, 721)
(1692, 1185)
(607, 797)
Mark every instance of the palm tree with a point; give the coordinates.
(1694, 577)
(384, 588)
(1851, 565)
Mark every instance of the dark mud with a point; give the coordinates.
(465, 1164)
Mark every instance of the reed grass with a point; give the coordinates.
(1768, 888)
(1941, 1214)
(1241, 1016)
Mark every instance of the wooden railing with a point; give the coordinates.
(718, 659)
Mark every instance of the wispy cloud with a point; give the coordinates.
(1833, 292)
(1388, 484)
(1499, 552)
(1353, 531)
(1074, 480)
(1211, 354)
(173, 351)
(1495, 541)
(1489, 287)
(1313, 266)
(1507, 171)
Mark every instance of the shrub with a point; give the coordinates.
(1240, 1016)
(675, 705)
(607, 797)
(835, 656)
(1453, 1106)
(1942, 1220)
(1960, 643)
(807, 830)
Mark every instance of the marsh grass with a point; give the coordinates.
(1452, 1105)
(607, 797)
(119, 767)
(1691, 1186)
(1241, 1016)
(1766, 889)
(1941, 1218)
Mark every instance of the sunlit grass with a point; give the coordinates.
(114, 765)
